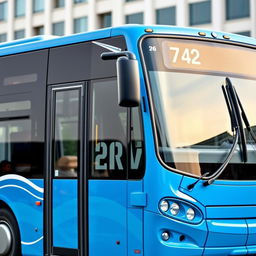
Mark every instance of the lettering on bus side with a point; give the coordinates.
(111, 155)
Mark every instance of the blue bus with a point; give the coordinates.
(128, 141)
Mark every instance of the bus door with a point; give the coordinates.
(114, 225)
(64, 182)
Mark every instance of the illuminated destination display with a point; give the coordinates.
(209, 57)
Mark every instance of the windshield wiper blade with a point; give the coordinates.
(234, 102)
(245, 119)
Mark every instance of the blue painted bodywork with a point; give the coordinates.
(124, 216)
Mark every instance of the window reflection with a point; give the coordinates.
(193, 122)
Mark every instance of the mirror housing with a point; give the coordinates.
(128, 79)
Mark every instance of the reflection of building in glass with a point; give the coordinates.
(26, 18)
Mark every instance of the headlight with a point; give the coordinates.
(164, 206)
(174, 209)
(190, 214)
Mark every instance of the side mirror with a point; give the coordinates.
(128, 78)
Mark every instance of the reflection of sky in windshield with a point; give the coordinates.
(192, 106)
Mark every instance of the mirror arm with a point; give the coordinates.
(116, 55)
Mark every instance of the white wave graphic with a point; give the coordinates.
(15, 186)
(33, 242)
(20, 178)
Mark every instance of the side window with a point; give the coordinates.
(16, 147)
(66, 134)
(108, 133)
(137, 152)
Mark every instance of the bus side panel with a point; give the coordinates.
(22, 196)
(65, 209)
(107, 217)
(136, 203)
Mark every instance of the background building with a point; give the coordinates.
(26, 18)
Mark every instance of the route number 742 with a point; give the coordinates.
(190, 56)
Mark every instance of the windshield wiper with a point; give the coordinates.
(235, 129)
(235, 100)
(245, 119)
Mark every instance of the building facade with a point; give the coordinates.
(26, 18)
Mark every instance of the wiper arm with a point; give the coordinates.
(225, 163)
(235, 129)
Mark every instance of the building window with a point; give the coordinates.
(200, 13)
(19, 8)
(19, 34)
(38, 5)
(79, 1)
(166, 16)
(136, 18)
(80, 25)
(106, 20)
(58, 28)
(237, 9)
(244, 33)
(59, 3)
(3, 38)
(38, 30)
(3, 11)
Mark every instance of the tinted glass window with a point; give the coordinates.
(3, 11)
(3, 38)
(236, 9)
(59, 3)
(108, 137)
(66, 133)
(80, 24)
(136, 18)
(200, 13)
(244, 33)
(22, 112)
(137, 152)
(79, 1)
(166, 16)
(58, 28)
(19, 34)
(38, 5)
(19, 8)
(106, 20)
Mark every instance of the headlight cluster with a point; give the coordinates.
(180, 210)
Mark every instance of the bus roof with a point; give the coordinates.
(131, 32)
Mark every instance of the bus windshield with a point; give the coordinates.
(193, 124)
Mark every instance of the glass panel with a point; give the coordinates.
(3, 11)
(58, 28)
(66, 134)
(236, 9)
(108, 137)
(244, 33)
(19, 34)
(191, 115)
(80, 25)
(38, 5)
(166, 16)
(136, 18)
(15, 146)
(200, 13)
(79, 1)
(106, 20)
(59, 3)
(19, 8)
(3, 38)
(39, 30)
(137, 157)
